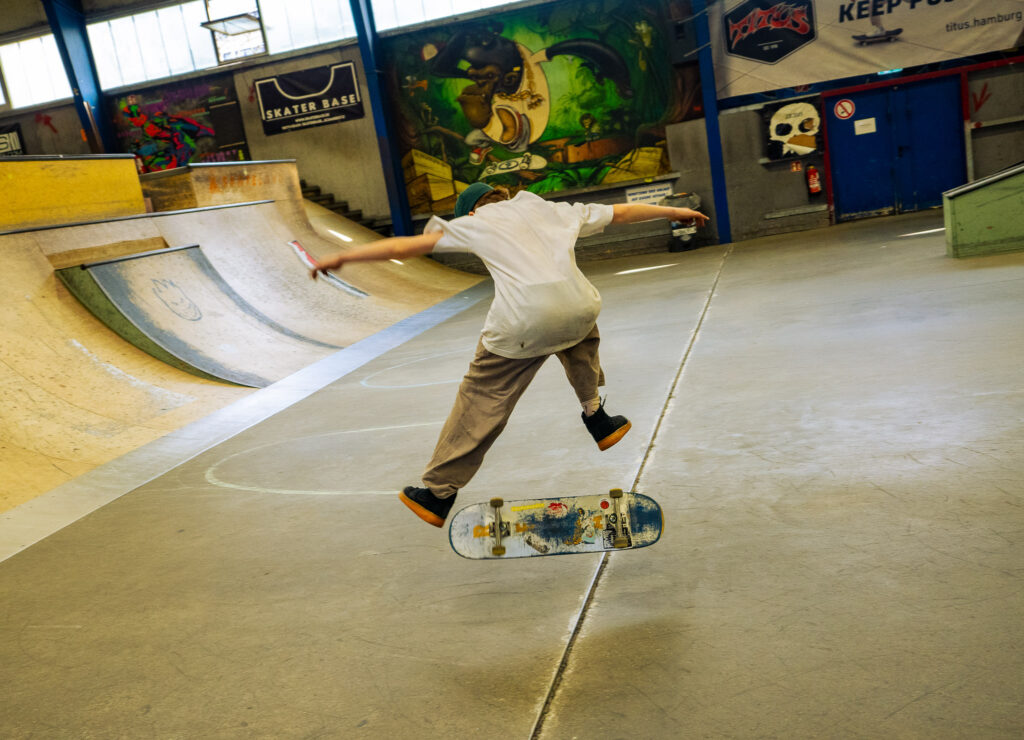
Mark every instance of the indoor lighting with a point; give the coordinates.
(646, 269)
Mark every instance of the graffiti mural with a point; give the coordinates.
(565, 95)
(173, 125)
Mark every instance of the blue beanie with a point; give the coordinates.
(467, 198)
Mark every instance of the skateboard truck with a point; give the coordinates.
(621, 540)
(498, 528)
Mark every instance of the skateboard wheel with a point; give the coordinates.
(498, 550)
(497, 503)
(615, 493)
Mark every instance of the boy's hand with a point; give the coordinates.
(691, 216)
(327, 263)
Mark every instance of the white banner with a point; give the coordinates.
(763, 45)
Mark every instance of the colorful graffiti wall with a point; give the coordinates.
(173, 125)
(553, 97)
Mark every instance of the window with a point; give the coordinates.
(396, 13)
(148, 46)
(295, 24)
(236, 27)
(33, 72)
(201, 34)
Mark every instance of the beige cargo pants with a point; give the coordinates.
(487, 396)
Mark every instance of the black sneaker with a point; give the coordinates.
(606, 430)
(426, 505)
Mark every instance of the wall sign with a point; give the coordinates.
(767, 31)
(844, 109)
(309, 97)
(763, 45)
(793, 129)
(653, 193)
(864, 126)
(10, 140)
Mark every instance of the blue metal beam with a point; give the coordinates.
(710, 100)
(394, 178)
(68, 25)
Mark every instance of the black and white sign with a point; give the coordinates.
(10, 140)
(309, 97)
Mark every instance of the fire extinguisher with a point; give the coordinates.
(813, 179)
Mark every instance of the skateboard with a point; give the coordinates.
(556, 526)
(863, 39)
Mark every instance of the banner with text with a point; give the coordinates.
(310, 97)
(10, 140)
(763, 45)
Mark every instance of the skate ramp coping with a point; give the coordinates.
(221, 183)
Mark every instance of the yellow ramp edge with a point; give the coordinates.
(45, 191)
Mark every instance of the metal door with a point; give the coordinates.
(895, 149)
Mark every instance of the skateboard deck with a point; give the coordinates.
(863, 39)
(556, 526)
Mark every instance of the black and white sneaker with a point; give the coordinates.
(606, 430)
(426, 505)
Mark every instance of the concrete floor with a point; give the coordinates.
(832, 422)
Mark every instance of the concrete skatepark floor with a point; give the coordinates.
(831, 421)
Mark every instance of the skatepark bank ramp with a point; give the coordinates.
(74, 394)
(174, 305)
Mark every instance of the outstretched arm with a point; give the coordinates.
(630, 213)
(395, 247)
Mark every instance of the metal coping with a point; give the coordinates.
(157, 174)
(54, 157)
(165, 250)
(971, 186)
(194, 165)
(134, 216)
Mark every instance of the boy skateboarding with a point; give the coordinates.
(543, 306)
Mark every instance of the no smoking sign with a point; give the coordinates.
(844, 109)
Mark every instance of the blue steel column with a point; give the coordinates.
(394, 178)
(710, 99)
(68, 25)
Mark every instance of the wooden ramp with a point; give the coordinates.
(173, 303)
(75, 394)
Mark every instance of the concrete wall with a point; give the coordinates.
(687, 145)
(46, 130)
(996, 128)
(19, 15)
(764, 197)
(341, 158)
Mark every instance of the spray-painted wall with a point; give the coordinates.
(171, 125)
(547, 98)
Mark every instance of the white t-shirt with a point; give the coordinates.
(542, 302)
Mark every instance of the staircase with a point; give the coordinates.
(313, 193)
